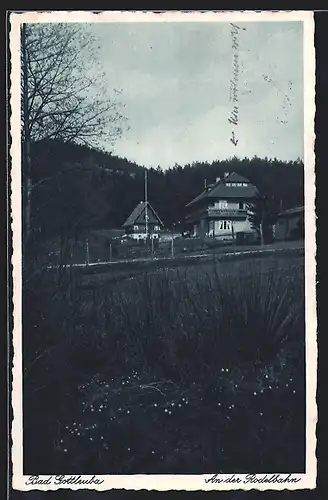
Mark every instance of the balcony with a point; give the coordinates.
(225, 213)
(220, 213)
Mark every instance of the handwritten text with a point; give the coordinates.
(234, 82)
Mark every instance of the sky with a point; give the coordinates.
(176, 85)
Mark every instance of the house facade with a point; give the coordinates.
(143, 223)
(290, 224)
(220, 211)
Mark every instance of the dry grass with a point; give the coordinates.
(176, 371)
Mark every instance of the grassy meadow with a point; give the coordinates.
(186, 369)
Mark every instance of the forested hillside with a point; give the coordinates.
(76, 188)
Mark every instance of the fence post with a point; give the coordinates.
(88, 256)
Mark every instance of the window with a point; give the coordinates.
(222, 204)
(156, 228)
(228, 184)
(241, 205)
(225, 225)
(233, 184)
(244, 184)
(239, 184)
(135, 228)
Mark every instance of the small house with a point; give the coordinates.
(143, 223)
(290, 224)
(221, 210)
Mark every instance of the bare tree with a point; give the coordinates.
(63, 93)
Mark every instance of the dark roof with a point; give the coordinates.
(220, 190)
(138, 215)
(234, 177)
(291, 211)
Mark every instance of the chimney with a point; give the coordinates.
(217, 179)
(226, 174)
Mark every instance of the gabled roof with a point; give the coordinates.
(220, 189)
(139, 213)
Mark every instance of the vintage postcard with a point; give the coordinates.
(164, 255)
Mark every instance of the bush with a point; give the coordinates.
(174, 372)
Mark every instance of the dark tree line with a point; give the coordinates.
(68, 186)
(77, 189)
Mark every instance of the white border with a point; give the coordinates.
(169, 482)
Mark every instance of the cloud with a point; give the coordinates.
(176, 78)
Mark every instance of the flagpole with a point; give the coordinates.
(146, 203)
